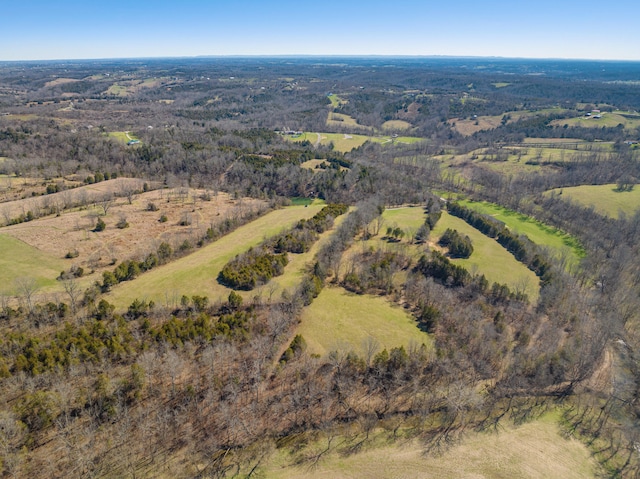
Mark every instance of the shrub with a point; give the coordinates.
(100, 225)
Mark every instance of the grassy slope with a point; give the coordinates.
(341, 320)
(604, 198)
(345, 143)
(533, 450)
(608, 119)
(489, 258)
(197, 272)
(19, 260)
(558, 241)
(396, 125)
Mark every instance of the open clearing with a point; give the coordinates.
(531, 451)
(396, 125)
(340, 119)
(83, 194)
(197, 272)
(19, 260)
(340, 320)
(608, 119)
(72, 231)
(489, 258)
(558, 241)
(122, 136)
(345, 142)
(470, 126)
(336, 101)
(604, 198)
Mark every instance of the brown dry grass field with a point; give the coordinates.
(72, 231)
(533, 450)
(85, 194)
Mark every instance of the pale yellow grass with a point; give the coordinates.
(396, 125)
(197, 272)
(531, 451)
(343, 321)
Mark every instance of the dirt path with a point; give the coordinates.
(317, 143)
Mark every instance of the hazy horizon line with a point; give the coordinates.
(328, 55)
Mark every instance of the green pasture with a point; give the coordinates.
(197, 272)
(490, 258)
(345, 142)
(604, 198)
(608, 119)
(559, 242)
(340, 320)
(19, 260)
(340, 119)
(122, 136)
(300, 201)
(501, 84)
(409, 218)
(117, 90)
(336, 101)
(530, 451)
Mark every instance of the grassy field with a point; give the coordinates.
(396, 125)
(122, 136)
(489, 258)
(340, 119)
(557, 241)
(336, 101)
(470, 126)
(117, 90)
(197, 272)
(613, 119)
(339, 320)
(19, 260)
(346, 142)
(533, 450)
(604, 198)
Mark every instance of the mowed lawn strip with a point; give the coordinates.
(340, 320)
(489, 258)
(540, 233)
(197, 273)
(19, 260)
(604, 198)
(533, 450)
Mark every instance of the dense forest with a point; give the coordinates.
(204, 149)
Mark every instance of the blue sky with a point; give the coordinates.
(66, 29)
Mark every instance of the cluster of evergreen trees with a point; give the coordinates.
(459, 246)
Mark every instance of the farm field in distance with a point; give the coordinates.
(605, 199)
(356, 345)
(345, 142)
